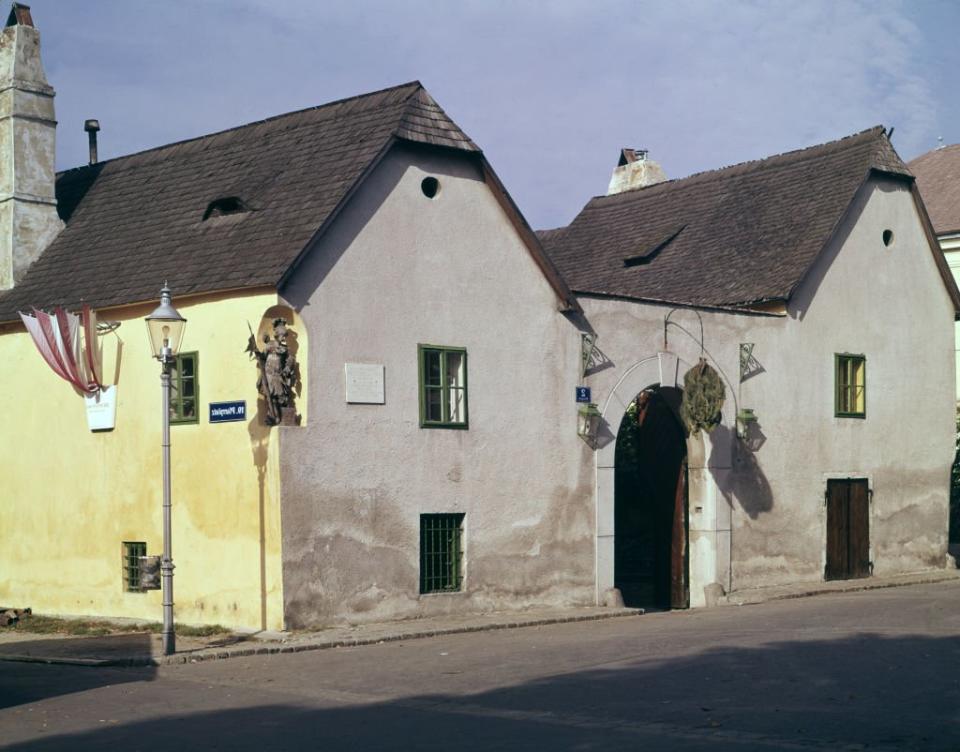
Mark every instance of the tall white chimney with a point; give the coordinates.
(635, 170)
(28, 202)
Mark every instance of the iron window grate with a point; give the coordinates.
(441, 553)
(132, 551)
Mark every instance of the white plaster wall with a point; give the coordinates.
(395, 270)
(889, 304)
(633, 358)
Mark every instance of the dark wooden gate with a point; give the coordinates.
(848, 529)
(679, 592)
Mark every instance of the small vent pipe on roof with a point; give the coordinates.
(91, 127)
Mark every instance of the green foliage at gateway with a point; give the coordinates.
(703, 396)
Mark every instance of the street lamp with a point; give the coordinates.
(165, 327)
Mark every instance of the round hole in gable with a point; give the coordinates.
(888, 238)
(430, 187)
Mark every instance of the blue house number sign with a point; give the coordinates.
(583, 394)
(226, 412)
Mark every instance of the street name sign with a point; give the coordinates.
(227, 412)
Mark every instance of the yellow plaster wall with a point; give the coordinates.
(71, 497)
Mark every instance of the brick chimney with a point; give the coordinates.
(28, 202)
(634, 170)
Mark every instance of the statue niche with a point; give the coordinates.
(277, 375)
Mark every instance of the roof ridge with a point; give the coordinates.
(80, 169)
(749, 165)
(408, 125)
(935, 150)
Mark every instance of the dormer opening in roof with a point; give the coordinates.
(28, 202)
(634, 170)
(225, 206)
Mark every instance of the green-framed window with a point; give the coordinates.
(441, 553)
(132, 551)
(851, 386)
(443, 386)
(184, 394)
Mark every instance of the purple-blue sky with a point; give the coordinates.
(550, 91)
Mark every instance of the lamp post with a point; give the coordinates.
(165, 327)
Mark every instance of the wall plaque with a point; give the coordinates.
(364, 383)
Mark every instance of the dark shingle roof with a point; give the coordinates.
(938, 178)
(135, 221)
(735, 236)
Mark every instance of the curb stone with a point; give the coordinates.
(380, 639)
(757, 596)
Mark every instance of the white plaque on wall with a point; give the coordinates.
(364, 383)
(102, 409)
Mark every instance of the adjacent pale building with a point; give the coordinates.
(938, 177)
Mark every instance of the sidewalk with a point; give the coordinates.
(144, 649)
(804, 590)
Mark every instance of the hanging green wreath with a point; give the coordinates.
(703, 396)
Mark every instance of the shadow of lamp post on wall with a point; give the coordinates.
(165, 327)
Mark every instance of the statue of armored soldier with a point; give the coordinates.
(277, 374)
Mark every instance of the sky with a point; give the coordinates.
(550, 91)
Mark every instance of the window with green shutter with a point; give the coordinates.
(851, 386)
(443, 386)
(184, 397)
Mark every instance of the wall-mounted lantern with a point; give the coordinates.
(588, 422)
(745, 417)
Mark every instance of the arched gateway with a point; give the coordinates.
(650, 502)
(692, 518)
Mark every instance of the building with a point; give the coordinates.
(379, 231)
(800, 278)
(938, 177)
(431, 460)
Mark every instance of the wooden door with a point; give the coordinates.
(679, 591)
(848, 529)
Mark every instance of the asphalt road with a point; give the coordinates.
(876, 670)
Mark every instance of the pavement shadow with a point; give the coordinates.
(135, 647)
(876, 692)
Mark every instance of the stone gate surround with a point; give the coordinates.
(708, 510)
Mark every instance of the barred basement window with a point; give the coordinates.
(132, 551)
(183, 389)
(441, 553)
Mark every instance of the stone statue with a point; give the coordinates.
(277, 374)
